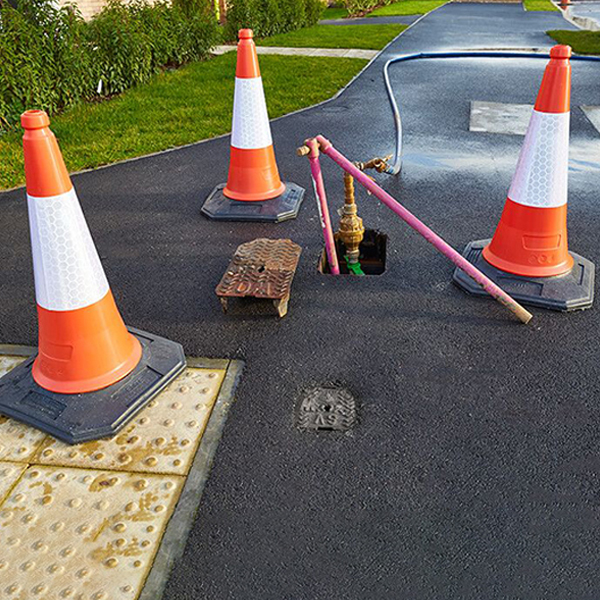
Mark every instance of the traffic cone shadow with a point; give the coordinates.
(91, 374)
(254, 191)
(529, 255)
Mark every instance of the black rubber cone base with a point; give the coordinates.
(75, 418)
(572, 291)
(282, 208)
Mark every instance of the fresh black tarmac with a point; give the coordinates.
(474, 472)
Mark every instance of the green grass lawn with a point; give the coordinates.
(334, 13)
(582, 42)
(407, 7)
(366, 37)
(539, 5)
(178, 107)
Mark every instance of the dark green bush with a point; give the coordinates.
(44, 60)
(50, 58)
(121, 48)
(268, 17)
(178, 33)
(313, 11)
(360, 7)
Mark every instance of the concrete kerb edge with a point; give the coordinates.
(342, 90)
(582, 23)
(17, 350)
(207, 363)
(565, 14)
(174, 540)
(291, 114)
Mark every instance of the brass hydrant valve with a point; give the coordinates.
(351, 230)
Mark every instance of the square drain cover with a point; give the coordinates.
(327, 409)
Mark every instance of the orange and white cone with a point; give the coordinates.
(91, 374)
(531, 238)
(253, 174)
(529, 254)
(83, 342)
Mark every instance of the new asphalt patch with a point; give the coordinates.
(473, 472)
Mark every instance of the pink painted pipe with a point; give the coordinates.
(462, 263)
(317, 177)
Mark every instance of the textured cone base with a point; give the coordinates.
(572, 291)
(220, 208)
(75, 418)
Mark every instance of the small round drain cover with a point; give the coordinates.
(326, 409)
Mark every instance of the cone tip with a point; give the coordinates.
(245, 34)
(560, 52)
(34, 119)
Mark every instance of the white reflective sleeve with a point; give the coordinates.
(540, 179)
(67, 269)
(250, 127)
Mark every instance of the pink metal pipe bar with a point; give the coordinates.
(488, 285)
(317, 177)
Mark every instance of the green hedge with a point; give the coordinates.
(268, 17)
(50, 58)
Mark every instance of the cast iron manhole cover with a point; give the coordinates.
(326, 408)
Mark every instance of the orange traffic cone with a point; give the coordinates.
(84, 345)
(253, 174)
(531, 238)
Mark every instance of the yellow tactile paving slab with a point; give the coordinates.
(7, 363)
(85, 522)
(9, 474)
(163, 438)
(81, 533)
(17, 442)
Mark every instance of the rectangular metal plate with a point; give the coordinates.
(262, 268)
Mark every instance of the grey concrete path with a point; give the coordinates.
(474, 471)
(326, 52)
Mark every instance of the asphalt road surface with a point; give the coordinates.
(474, 470)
